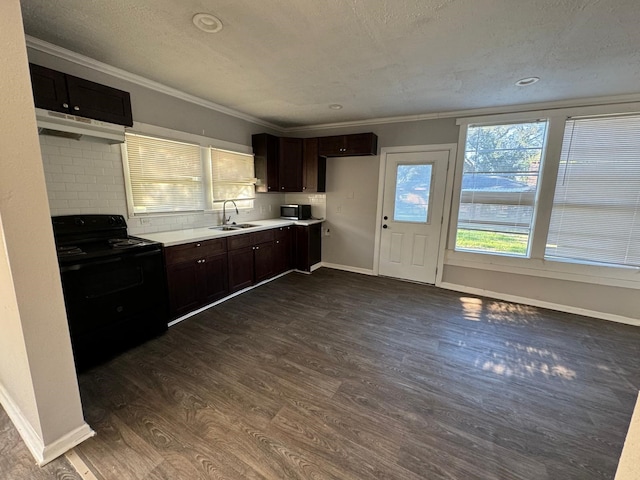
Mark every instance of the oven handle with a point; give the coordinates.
(80, 266)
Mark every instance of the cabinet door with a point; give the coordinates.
(361, 144)
(182, 280)
(264, 261)
(265, 148)
(49, 89)
(240, 268)
(290, 165)
(331, 146)
(214, 278)
(92, 100)
(283, 250)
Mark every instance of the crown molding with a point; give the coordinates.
(63, 53)
(88, 62)
(520, 108)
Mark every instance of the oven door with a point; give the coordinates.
(114, 303)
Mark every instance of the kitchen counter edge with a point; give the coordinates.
(180, 237)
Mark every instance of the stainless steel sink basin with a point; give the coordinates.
(226, 228)
(232, 227)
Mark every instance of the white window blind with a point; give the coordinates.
(164, 175)
(233, 177)
(596, 207)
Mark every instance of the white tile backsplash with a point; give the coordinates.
(85, 177)
(318, 202)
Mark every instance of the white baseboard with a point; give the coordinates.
(541, 303)
(348, 268)
(42, 453)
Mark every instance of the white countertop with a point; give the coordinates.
(178, 237)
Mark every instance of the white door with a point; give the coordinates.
(412, 209)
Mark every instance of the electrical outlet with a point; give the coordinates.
(145, 221)
(327, 232)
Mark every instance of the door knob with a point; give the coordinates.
(385, 217)
(384, 226)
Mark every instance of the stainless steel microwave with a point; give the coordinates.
(295, 212)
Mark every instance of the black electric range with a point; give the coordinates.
(114, 286)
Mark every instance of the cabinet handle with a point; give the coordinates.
(277, 241)
(257, 248)
(76, 108)
(197, 244)
(204, 260)
(304, 188)
(281, 188)
(65, 105)
(198, 261)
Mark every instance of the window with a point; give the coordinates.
(233, 178)
(413, 188)
(167, 176)
(499, 185)
(596, 207)
(164, 175)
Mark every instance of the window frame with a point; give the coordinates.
(459, 174)
(205, 144)
(535, 264)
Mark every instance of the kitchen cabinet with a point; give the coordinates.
(284, 249)
(314, 167)
(196, 274)
(265, 149)
(348, 145)
(285, 164)
(57, 91)
(290, 164)
(308, 241)
(250, 258)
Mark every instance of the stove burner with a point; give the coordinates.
(124, 242)
(69, 250)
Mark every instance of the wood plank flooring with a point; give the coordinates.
(16, 462)
(343, 376)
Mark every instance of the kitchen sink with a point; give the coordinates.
(226, 228)
(229, 228)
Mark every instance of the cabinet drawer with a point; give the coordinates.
(194, 250)
(262, 237)
(239, 241)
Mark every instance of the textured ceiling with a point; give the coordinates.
(286, 61)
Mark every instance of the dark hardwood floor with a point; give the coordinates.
(16, 462)
(344, 376)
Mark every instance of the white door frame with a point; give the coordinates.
(384, 151)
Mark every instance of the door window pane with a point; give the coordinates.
(413, 186)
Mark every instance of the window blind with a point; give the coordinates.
(596, 207)
(164, 175)
(233, 176)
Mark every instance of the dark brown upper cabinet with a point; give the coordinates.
(290, 164)
(57, 91)
(348, 145)
(314, 167)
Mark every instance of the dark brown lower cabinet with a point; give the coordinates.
(196, 275)
(308, 246)
(284, 253)
(250, 258)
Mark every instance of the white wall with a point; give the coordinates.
(38, 385)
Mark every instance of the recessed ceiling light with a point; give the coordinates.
(525, 82)
(335, 106)
(207, 22)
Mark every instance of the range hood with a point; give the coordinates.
(72, 126)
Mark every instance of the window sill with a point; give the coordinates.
(625, 277)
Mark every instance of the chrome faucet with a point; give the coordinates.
(225, 220)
